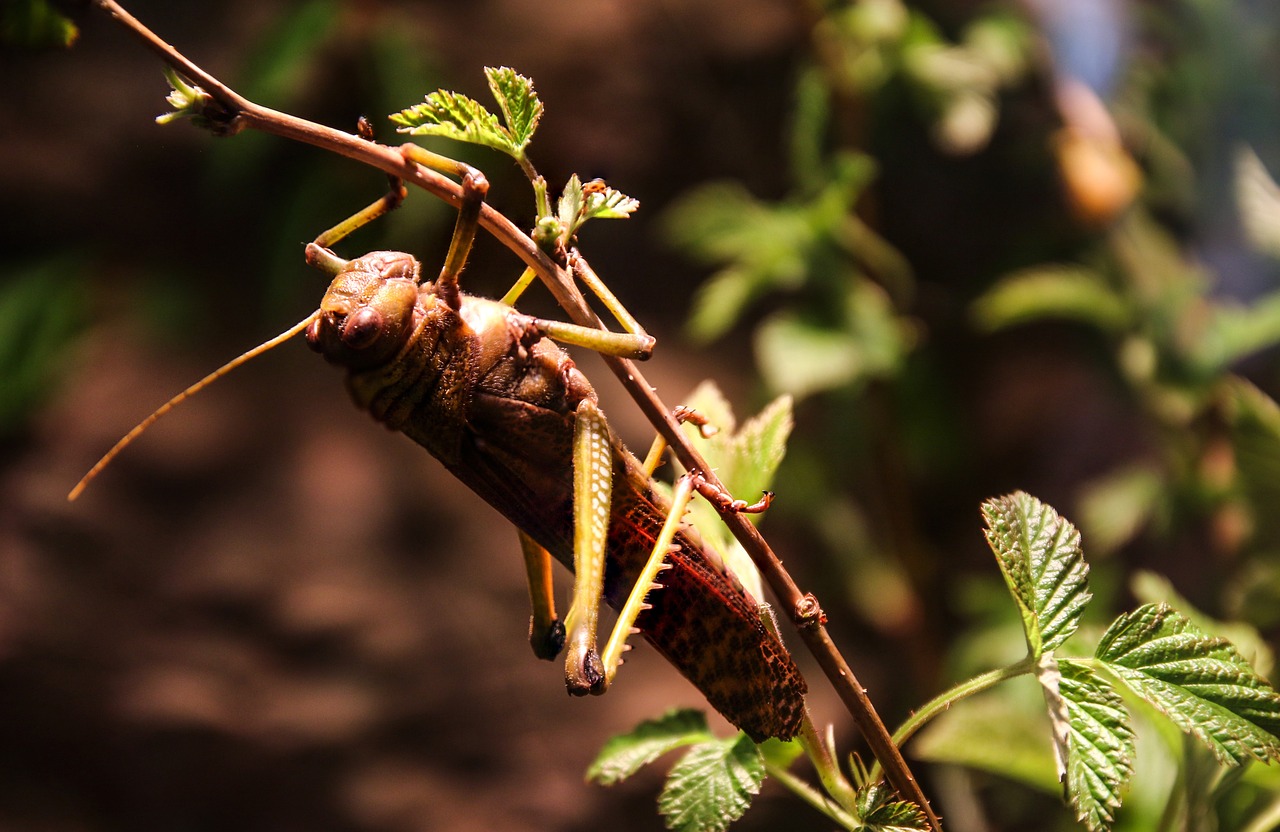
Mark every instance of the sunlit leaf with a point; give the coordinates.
(1040, 557)
(1095, 748)
(1258, 201)
(712, 785)
(625, 754)
(879, 811)
(457, 117)
(35, 23)
(1070, 292)
(744, 459)
(519, 103)
(1200, 682)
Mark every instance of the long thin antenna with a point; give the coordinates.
(128, 438)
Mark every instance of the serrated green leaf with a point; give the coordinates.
(569, 206)
(1059, 291)
(519, 103)
(712, 785)
(1200, 682)
(878, 811)
(608, 204)
(1040, 557)
(457, 117)
(625, 754)
(1096, 745)
(1152, 588)
(744, 458)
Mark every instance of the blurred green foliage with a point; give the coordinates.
(1156, 264)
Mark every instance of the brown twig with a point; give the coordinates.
(803, 608)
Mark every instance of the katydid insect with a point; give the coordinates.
(486, 391)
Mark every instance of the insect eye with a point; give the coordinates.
(362, 328)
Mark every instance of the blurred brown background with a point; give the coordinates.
(270, 614)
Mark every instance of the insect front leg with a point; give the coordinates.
(475, 187)
(320, 251)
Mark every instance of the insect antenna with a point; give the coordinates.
(128, 438)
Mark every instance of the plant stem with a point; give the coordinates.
(824, 763)
(812, 796)
(805, 612)
(946, 699)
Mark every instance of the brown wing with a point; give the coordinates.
(517, 457)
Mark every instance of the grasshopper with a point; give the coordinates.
(487, 391)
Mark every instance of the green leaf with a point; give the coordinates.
(1234, 331)
(780, 753)
(1200, 682)
(1057, 291)
(800, 354)
(457, 117)
(745, 459)
(1040, 557)
(1001, 732)
(35, 23)
(580, 202)
(625, 754)
(1152, 588)
(1258, 202)
(878, 811)
(605, 203)
(519, 103)
(1094, 742)
(759, 246)
(569, 206)
(1115, 508)
(1254, 419)
(712, 785)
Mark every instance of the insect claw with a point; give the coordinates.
(549, 644)
(588, 676)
